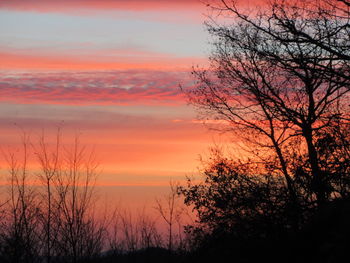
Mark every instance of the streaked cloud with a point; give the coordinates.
(95, 88)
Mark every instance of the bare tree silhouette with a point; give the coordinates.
(273, 80)
(50, 162)
(21, 237)
(279, 81)
(49, 212)
(171, 211)
(80, 235)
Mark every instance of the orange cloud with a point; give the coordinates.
(16, 61)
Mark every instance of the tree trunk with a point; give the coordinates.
(295, 208)
(317, 186)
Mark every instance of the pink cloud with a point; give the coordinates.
(129, 87)
(69, 5)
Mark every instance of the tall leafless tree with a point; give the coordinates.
(279, 73)
(50, 163)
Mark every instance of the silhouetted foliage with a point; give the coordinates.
(236, 205)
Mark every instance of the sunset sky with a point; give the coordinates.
(109, 70)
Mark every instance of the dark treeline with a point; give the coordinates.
(279, 82)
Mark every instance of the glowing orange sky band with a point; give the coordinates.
(36, 62)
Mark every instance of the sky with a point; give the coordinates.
(110, 71)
